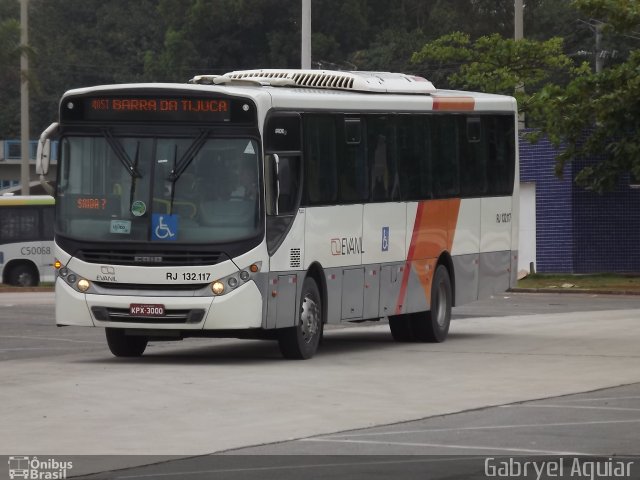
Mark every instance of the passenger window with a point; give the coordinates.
(353, 170)
(385, 182)
(321, 185)
(444, 154)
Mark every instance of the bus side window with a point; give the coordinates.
(412, 141)
(445, 156)
(473, 156)
(321, 184)
(500, 161)
(47, 223)
(385, 182)
(353, 168)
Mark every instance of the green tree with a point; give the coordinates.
(79, 43)
(497, 65)
(593, 118)
(9, 69)
(597, 115)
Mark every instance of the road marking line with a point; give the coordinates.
(576, 407)
(602, 398)
(52, 339)
(20, 349)
(292, 467)
(443, 445)
(488, 427)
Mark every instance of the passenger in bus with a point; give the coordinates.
(379, 172)
(247, 185)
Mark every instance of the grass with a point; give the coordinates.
(603, 281)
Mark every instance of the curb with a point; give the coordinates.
(9, 289)
(574, 290)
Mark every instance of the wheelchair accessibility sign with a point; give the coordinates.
(164, 227)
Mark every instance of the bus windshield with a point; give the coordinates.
(157, 189)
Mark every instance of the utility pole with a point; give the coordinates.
(518, 20)
(598, 53)
(518, 23)
(24, 97)
(305, 57)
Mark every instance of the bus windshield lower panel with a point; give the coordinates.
(165, 190)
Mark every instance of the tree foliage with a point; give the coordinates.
(496, 64)
(9, 69)
(594, 118)
(79, 43)
(597, 115)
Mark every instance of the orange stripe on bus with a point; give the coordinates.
(433, 233)
(453, 103)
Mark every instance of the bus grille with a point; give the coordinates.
(150, 259)
(108, 314)
(173, 287)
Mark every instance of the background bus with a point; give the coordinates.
(265, 204)
(26, 239)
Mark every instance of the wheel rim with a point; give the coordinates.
(24, 279)
(309, 319)
(441, 305)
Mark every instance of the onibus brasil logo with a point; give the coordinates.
(34, 469)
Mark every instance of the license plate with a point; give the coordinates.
(146, 310)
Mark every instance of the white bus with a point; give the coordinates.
(26, 239)
(268, 203)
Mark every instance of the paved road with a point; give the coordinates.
(27, 325)
(63, 394)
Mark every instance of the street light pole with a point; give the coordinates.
(598, 53)
(305, 57)
(24, 97)
(518, 20)
(519, 35)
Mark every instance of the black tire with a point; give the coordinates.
(433, 326)
(23, 275)
(301, 342)
(400, 326)
(122, 345)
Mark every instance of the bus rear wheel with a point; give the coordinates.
(122, 345)
(23, 275)
(301, 341)
(433, 326)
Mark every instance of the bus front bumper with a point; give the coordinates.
(238, 309)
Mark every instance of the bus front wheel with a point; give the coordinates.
(301, 341)
(122, 345)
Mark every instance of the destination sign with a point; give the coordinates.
(166, 106)
(127, 108)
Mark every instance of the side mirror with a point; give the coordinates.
(273, 184)
(43, 153)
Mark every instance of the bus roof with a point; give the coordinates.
(327, 91)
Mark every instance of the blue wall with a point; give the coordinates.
(578, 231)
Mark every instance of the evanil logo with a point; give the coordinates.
(35, 469)
(346, 245)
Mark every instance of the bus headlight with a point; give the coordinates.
(217, 287)
(83, 284)
(227, 284)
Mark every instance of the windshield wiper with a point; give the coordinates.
(181, 165)
(134, 169)
(122, 154)
(188, 156)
